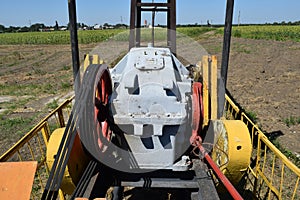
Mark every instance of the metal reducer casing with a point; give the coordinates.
(150, 104)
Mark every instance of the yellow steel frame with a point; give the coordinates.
(32, 147)
(91, 59)
(274, 176)
(209, 73)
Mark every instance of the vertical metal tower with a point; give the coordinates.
(137, 7)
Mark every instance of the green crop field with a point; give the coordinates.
(56, 37)
(278, 33)
(91, 36)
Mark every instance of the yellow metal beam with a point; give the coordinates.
(45, 132)
(96, 59)
(91, 59)
(213, 87)
(205, 99)
(86, 62)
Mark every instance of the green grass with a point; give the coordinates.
(252, 115)
(52, 105)
(19, 89)
(291, 121)
(10, 125)
(289, 154)
(160, 34)
(241, 48)
(13, 122)
(194, 32)
(31, 89)
(66, 68)
(66, 85)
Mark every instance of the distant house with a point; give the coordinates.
(46, 29)
(63, 28)
(85, 28)
(97, 27)
(108, 27)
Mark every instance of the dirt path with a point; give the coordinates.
(264, 77)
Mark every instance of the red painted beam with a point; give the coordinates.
(227, 184)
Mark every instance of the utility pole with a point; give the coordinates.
(239, 18)
(153, 24)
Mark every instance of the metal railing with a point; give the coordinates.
(271, 175)
(33, 146)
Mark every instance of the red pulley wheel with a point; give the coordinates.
(93, 98)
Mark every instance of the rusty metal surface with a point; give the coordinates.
(16, 179)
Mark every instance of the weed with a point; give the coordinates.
(12, 64)
(18, 89)
(52, 105)
(237, 33)
(39, 71)
(18, 55)
(10, 124)
(52, 127)
(194, 32)
(291, 121)
(289, 154)
(49, 89)
(252, 116)
(66, 85)
(66, 68)
(242, 48)
(12, 107)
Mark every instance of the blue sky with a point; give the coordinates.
(26, 12)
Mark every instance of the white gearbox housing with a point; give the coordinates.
(150, 103)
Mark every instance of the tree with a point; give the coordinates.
(121, 26)
(24, 29)
(106, 25)
(2, 28)
(56, 26)
(11, 29)
(37, 27)
(208, 24)
(283, 23)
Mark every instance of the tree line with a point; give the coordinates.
(42, 27)
(33, 28)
